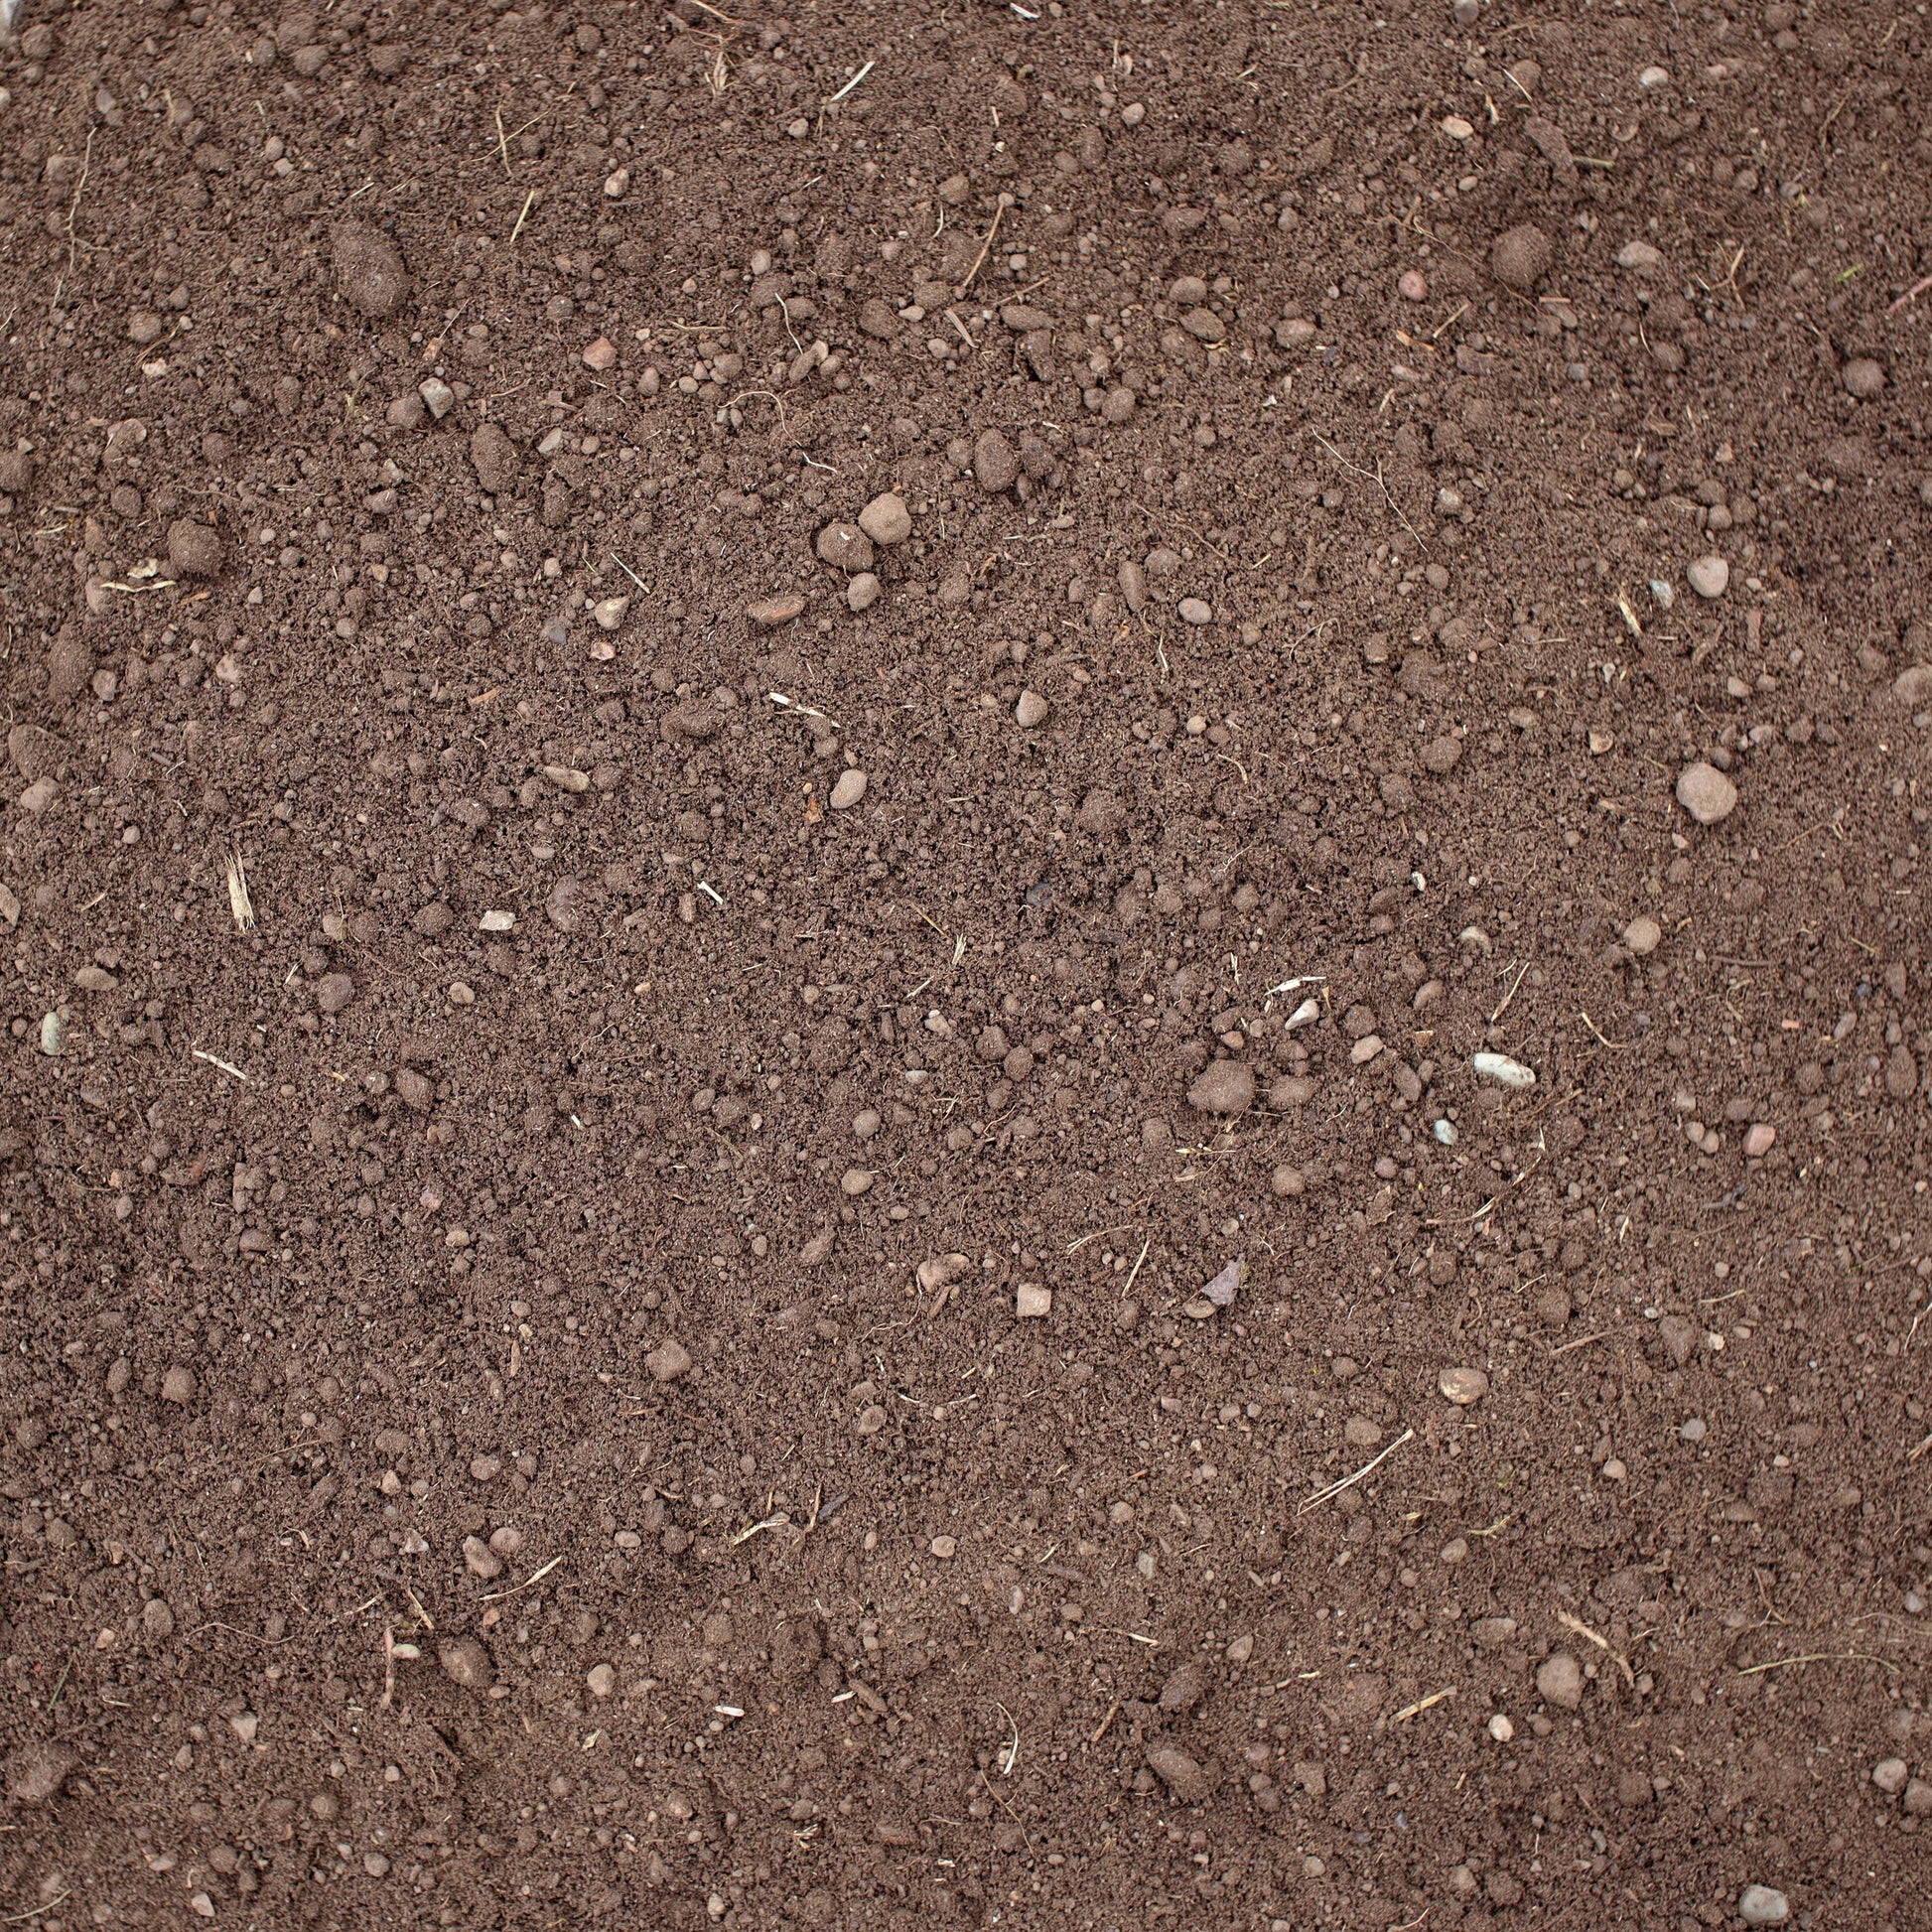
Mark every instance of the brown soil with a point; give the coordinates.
(632, 1341)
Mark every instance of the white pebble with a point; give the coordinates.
(1503, 1070)
(850, 788)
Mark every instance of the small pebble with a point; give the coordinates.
(1709, 576)
(194, 549)
(1185, 1688)
(1183, 1775)
(1762, 1905)
(1194, 611)
(995, 463)
(179, 1386)
(370, 270)
(1692, 1429)
(53, 1036)
(945, 1548)
(771, 611)
(1413, 286)
(1862, 378)
(1643, 935)
(844, 546)
(1463, 1386)
(601, 355)
(1522, 257)
(668, 1360)
(1759, 1140)
(1560, 1681)
(1032, 1301)
(1502, 1069)
(862, 591)
(1639, 255)
(1223, 1088)
(1500, 1728)
(850, 788)
(856, 1182)
(1705, 793)
(1889, 1775)
(466, 1663)
(36, 1772)
(600, 1680)
(886, 519)
(1286, 1180)
(1031, 710)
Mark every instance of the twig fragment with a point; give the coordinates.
(1322, 1497)
(1579, 1627)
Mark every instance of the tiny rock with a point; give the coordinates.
(945, 1548)
(1195, 611)
(1463, 1386)
(1889, 1775)
(466, 1663)
(1639, 255)
(194, 549)
(608, 612)
(886, 519)
(995, 463)
(600, 1680)
(1223, 1088)
(179, 1386)
(479, 1559)
(1522, 257)
(1185, 1688)
(1759, 1140)
(333, 992)
(1762, 1905)
(1643, 935)
(772, 612)
(1032, 711)
(1502, 1069)
(860, 590)
(601, 355)
(668, 1360)
(36, 1772)
(844, 546)
(1184, 1776)
(1560, 1681)
(370, 270)
(1862, 378)
(850, 788)
(1705, 793)
(1709, 576)
(1032, 1301)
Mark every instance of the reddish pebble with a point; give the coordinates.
(601, 356)
(1413, 286)
(1759, 1140)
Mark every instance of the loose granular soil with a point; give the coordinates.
(965, 965)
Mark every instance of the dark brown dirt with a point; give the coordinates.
(650, 1334)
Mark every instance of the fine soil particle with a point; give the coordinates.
(964, 966)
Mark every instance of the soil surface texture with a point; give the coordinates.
(965, 965)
